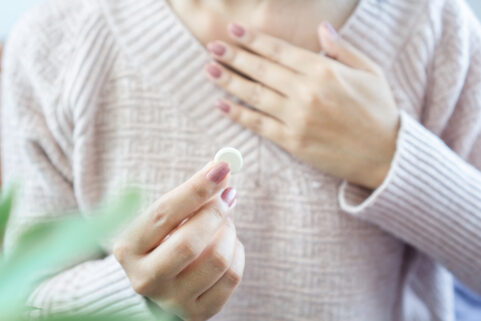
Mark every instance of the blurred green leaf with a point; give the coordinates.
(75, 318)
(46, 247)
(5, 208)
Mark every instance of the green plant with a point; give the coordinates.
(47, 246)
(5, 207)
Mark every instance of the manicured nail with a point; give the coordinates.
(214, 71)
(216, 48)
(237, 30)
(223, 106)
(229, 196)
(218, 172)
(332, 31)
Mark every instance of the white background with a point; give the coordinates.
(10, 10)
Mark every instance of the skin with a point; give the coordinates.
(285, 19)
(335, 112)
(341, 120)
(183, 252)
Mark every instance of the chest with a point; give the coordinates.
(156, 134)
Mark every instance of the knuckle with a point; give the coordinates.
(232, 278)
(216, 213)
(236, 114)
(311, 97)
(161, 215)
(300, 122)
(324, 71)
(228, 81)
(257, 124)
(276, 50)
(308, 93)
(319, 69)
(141, 286)
(281, 137)
(260, 67)
(272, 132)
(255, 94)
(199, 191)
(207, 311)
(219, 261)
(120, 252)
(266, 100)
(331, 73)
(188, 250)
(298, 142)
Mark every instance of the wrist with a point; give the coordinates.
(377, 171)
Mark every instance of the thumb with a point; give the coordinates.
(340, 50)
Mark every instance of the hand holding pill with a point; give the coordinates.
(192, 272)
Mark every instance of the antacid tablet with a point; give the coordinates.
(231, 156)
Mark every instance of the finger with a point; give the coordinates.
(342, 51)
(211, 265)
(174, 207)
(186, 244)
(256, 67)
(253, 93)
(275, 49)
(215, 298)
(256, 121)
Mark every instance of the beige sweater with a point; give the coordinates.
(99, 94)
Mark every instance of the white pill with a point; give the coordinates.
(231, 156)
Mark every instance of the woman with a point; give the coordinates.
(110, 93)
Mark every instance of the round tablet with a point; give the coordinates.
(231, 156)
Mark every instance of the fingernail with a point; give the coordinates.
(332, 31)
(223, 106)
(216, 48)
(218, 172)
(229, 196)
(237, 30)
(214, 71)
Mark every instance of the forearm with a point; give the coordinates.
(95, 288)
(431, 199)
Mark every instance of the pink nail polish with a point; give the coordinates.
(216, 48)
(214, 71)
(223, 106)
(237, 30)
(218, 172)
(332, 31)
(229, 196)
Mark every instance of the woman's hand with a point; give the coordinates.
(183, 253)
(335, 112)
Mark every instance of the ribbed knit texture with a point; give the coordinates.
(100, 94)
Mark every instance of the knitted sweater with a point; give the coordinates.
(104, 93)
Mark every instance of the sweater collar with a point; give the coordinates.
(156, 40)
(171, 59)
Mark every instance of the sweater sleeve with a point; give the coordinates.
(35, 154)
(431, 197)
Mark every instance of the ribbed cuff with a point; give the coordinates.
(92, 288)
(431, 199)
